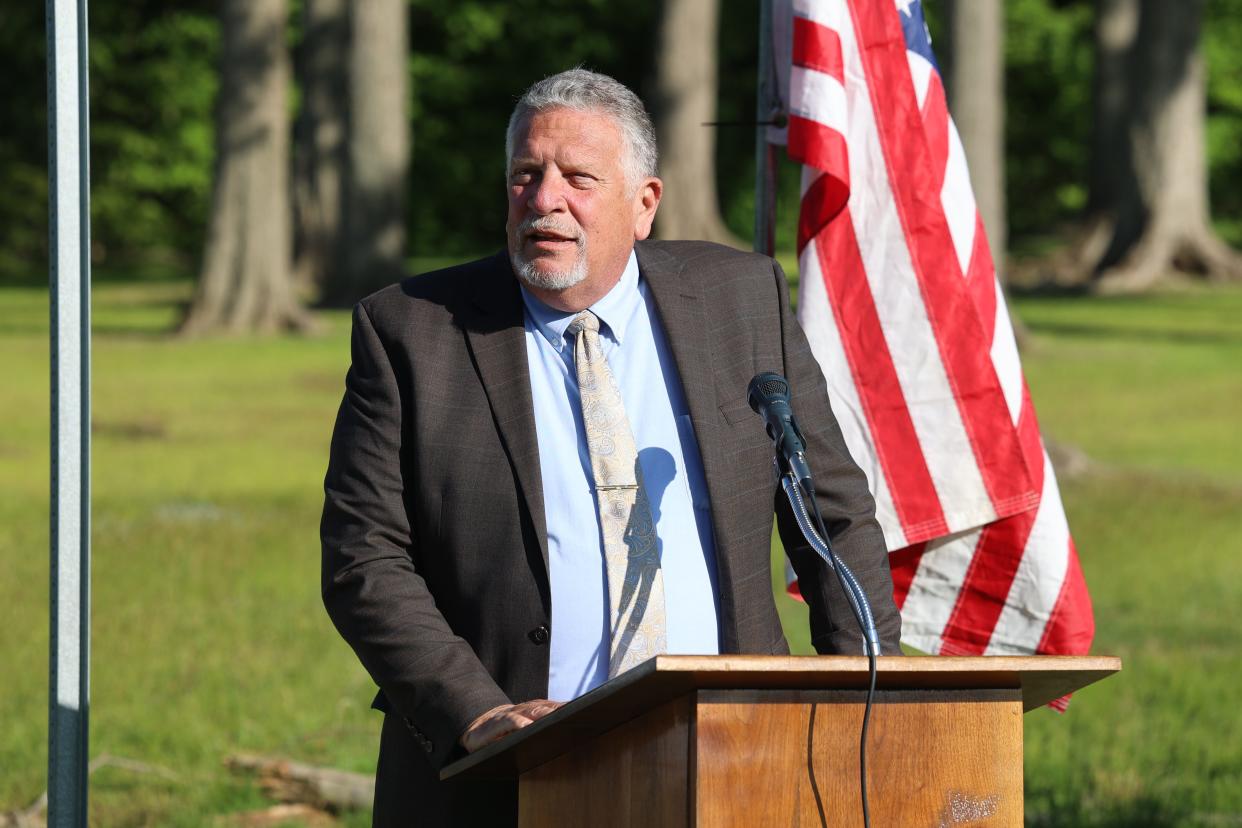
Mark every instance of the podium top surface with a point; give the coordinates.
(1041, 679)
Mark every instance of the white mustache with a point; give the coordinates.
(548, 224)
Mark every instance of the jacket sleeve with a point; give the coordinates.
(846, 504)
(371, 588)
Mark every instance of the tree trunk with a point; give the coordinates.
(1149, 198)
(319, 139)
(246, 283)
(372, 249)
(975, 83)
(685, 101)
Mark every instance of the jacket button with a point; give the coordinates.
(539, 635)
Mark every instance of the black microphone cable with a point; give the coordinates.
(868, 645)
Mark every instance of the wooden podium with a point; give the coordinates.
(773, 740)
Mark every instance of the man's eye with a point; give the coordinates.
(521, 178)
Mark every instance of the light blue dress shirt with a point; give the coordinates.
(638, 354)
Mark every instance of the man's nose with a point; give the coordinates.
(548, 195)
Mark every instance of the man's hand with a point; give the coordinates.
(503, 720)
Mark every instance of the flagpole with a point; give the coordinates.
(70, 285)
(766, 107)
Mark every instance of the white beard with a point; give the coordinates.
(528, 272)
(530, 275)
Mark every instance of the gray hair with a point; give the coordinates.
(588, 91)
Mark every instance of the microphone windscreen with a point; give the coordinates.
(766, 386)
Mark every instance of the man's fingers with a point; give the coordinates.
(538, 708)
(501, 721)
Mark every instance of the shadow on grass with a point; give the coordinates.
(1136, 334)
(1139, 812)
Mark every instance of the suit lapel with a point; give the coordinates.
(683, 310)
(498, 342)
(683, 313)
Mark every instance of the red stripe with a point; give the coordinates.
(981, 280)
(998, 553)
(871, 366)
(819, 146)
(1071, 627)
(794, 591)
(935, 114)
(821, 203)
(904, 563)
(818, 47)
(964, 350)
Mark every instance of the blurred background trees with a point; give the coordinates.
(1148, 208)
(1121, 123)
(246, 281)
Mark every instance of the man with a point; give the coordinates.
(544, 468)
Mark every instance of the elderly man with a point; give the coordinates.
(544, 469)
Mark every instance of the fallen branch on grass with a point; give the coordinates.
(303, 815)
(326, 789)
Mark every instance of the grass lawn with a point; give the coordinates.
(209, 637)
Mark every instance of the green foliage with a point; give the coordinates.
(1048, 65)
(23, 141)
(151, 92)
(470, 62)
(1222, 34)
(154, 77)
(153, 88)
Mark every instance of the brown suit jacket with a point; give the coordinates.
(434, 541)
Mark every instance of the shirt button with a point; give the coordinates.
(539, 635)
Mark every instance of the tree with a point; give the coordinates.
(371, 249)
(1148, 205)
(246, 281)
(685, 100)
(975, 83)
(319, 135)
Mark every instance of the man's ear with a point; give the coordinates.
(646, 201)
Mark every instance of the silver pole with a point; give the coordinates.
(766, 108)
(70, 283)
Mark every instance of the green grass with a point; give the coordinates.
(209, 637)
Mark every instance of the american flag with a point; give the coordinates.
(900, 301)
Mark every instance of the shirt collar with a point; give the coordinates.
(615, 309)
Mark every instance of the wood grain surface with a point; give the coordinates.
(1040, 679)
(935, 759)
(637, 774)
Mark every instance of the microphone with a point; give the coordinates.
(768, 395)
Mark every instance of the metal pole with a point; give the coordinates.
(70, 284)
(766, 110)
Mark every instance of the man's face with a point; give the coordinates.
(573, 216)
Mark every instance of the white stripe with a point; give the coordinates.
(920, 72)
(934, 589)
(834, 14)
(817, 320)
(903, 317)
(817, 97)
(958, 200)
(809, 176)
(1037, 583)
(1004, 353)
